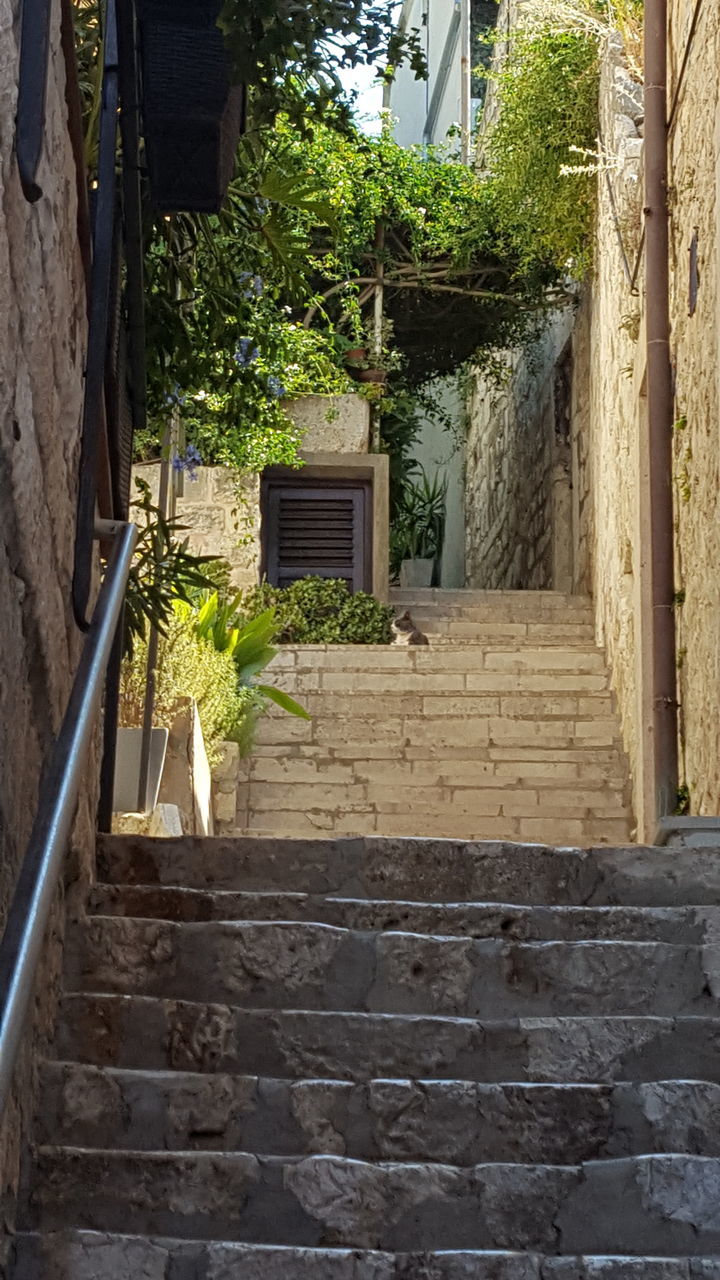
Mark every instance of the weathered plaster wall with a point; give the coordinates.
(517, 460)
(42, 344)
(695, 345)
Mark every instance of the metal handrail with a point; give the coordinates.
(24, 936)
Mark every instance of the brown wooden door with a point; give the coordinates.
(318, 528)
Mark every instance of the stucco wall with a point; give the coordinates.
(42, 345)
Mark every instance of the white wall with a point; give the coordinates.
(411, 100)
(437, 451)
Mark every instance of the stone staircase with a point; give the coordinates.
(504, 727)
(383, 1059)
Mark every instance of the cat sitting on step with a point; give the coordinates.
(405, 632)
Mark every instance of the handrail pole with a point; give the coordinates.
(24, 936)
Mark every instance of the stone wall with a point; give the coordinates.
(42, 347)
(695, 345)
(606, 428)
(517, 467)
(222, 510)
(610, 438)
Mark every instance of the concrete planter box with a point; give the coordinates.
(127, 768)
(416, 573)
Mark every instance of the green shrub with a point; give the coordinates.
(320, 611)
(190, 667)
(548, 115)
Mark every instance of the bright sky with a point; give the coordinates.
(369, 102)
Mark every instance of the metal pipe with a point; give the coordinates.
(24, 936)
(659, 410)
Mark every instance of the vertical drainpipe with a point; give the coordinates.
(658, 441)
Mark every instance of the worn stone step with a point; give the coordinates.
(146, 1033)
(695, 925)
(429, 823)
(426, 870)
(451, 1121)
(469, 660)
(86, 1255)
(320, 966)
(661, 1203)
(475, 598)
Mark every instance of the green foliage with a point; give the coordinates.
(548, 91)
(162, 571)
(321, 611)
(190, 667)
(292, 54)
(682, 804)
(248, 644)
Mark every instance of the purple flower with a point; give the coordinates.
(246, 353)
(275, 387)
(189, 463)
(255, 285)
(174, 397)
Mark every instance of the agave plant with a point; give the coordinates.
(249, 644)
(419, 526)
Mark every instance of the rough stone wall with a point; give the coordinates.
(222, 515)
(695, 345)
(607, 429)
(513, 463)
(42, 344)
(609, 440)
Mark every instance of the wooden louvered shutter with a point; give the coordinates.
(316, 529)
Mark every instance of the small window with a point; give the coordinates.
(319, 528)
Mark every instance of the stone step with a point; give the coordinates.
(86, 1255)
(324, 661)
(410, 669)
(451, 1121)
(319, 966)
(456, 774)
(143, 1033)
(426, 870)
(466, 597)
(665, 1204)
(447, 824)
(695, 925)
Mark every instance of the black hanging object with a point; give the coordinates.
(32, 91)
(193, 115)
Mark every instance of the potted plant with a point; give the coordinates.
(419, 530)
(192, 114)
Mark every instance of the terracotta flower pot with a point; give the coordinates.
(372, 375)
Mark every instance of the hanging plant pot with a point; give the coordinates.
(193, 116)
(372, 375)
